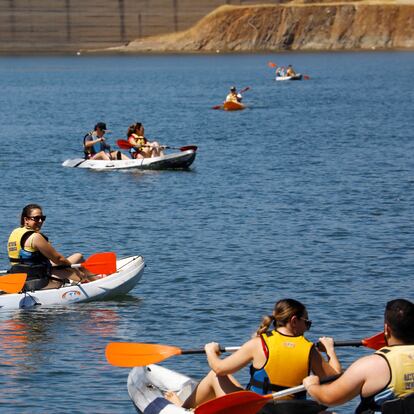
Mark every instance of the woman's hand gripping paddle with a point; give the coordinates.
(104, 263)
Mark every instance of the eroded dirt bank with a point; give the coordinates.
(291, 26)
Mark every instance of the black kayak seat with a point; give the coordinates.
(399, 406)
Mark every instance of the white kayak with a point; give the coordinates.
(129, 272)
(179, 160)
(298, 76)
(146, 387)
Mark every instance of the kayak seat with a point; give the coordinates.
(293, 407)
(399, 406)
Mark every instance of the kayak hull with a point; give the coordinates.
(233, 106)
(146, 386)
(298, 76)
(129, 272)
(180, 160)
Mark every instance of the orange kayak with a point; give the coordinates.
(233, 106)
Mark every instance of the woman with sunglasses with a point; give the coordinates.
(30, 252)
(280, 358)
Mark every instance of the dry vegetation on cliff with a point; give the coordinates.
(291, 26)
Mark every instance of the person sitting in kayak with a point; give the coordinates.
(280, 358)
(384, 379)
(30, 252)
(96, 147)
(280, 71)
(233, 96)
(142, 148)
(290, 71)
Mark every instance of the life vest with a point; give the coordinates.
(288, 362)
(27, 259)
(95, 148)
(138, 142)
(400, 359)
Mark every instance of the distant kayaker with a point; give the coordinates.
(280, 356)
(233, 96)
(280, 71)
(142, 147)
(96, 147)
(386, 375)
(290, 71)
(30, 252)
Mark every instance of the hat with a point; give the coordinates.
(233, 88)
(100, 125)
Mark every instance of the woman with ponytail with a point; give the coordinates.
(279, 354)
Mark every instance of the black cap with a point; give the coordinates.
(233, 88)
(100, 125)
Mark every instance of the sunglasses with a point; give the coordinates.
(38, 219)
(308, 323)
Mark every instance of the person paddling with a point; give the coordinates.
(30, 252)
(142, 148)
(233, 96)
(384, 380)
(96, 147)
(280, 358)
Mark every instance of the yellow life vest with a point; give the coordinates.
(400, 359)
(139, 141)
(288, 362)
(14, 245)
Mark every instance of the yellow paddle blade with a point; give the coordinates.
(131, 354)
(13, 282)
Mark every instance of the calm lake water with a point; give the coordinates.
(308, 194)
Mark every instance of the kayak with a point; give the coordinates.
(233, 106)
(146, 387)
(298, 76)
(129, 272)
(180, 160)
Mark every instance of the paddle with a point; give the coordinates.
(125, 145)
(221, 106)
(104, 263)
(248, 402)
(376, 341)
(134, 354)
(272, 65)
(13, 282)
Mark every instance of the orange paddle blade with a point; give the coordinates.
(375, 342)
(13, 283)
(271, 65)
(306, 77)
(130, 354)
(240, 402)
(124, 144)
(104, 263)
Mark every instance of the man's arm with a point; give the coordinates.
(366, 376)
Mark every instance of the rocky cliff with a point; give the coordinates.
(294, 25)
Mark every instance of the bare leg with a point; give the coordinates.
(100, 156)
(211, 386)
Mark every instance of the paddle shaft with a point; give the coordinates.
(202, 351)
